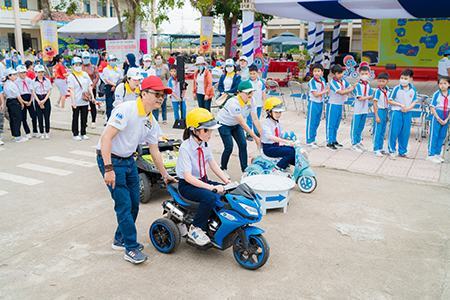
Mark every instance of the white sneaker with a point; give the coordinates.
(440, 158)
(434, 159)
(361, 146)
(313, 145)
(226, 174)
(357, 149)
(198, 236)
(36, 135)
(93, 125)
(20, 139)
(1, 143)
(47, 136)
(84, 137)
(392, 156)
(77, 138)
(42, 136)
(378, 153)
(28, 136)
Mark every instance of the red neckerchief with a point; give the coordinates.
(321, 83)
(42, 84)
(385, 96)
(202, 165)
(25, 85)
(365, 87)
(445, 104)
(277, 132)
(341, 82)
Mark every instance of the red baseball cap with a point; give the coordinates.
(155, 83)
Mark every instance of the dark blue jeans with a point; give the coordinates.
(206, 198)
(109, 99)
(203, 103)
(126, 199)
(163, 111)
(286, 153)
(227, 134)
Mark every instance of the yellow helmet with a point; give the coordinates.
(199, 118)
(274, 104)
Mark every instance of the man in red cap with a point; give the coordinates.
(131, 123)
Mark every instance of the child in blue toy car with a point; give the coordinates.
(194, 185)
(271, 139)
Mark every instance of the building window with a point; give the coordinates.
(8, 3)
(87, 6)
(101, 8)
(111, 11)
(22, 3)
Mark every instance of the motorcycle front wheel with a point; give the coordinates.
(255, 256)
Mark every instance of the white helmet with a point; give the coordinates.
(10, 71)
(147, 57)
(39, 68)
(135, 74)
(229, 62)
(21, 69)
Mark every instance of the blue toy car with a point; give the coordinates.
(229, 225)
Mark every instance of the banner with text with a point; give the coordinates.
(120, 48)
(49, 39)
(234, 39)
(370, 40)
(206, 34)
(258, 58)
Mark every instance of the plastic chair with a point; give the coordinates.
(273, 89)
(298, 94)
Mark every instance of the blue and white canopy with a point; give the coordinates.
(321, 10)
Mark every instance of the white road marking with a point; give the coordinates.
(3, 193)
(84, 153)
(44, 169)
(19, 179)
(71, 161)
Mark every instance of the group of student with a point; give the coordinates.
(393, 105)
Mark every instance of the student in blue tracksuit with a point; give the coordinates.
(439, 121)
(259, 96)
(271, 132)
(380, 109)
(402, 99)
(317, 90)
(193, 158)
(363, 94)
(339, 91)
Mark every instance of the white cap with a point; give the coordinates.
(135, 74)
(147, 57)
(200, 60)
(111, 57)
(10, 71)
(243, 57)
(85, 54)
(229, 62)
(21, 69)
(39, 68)
(76, 60)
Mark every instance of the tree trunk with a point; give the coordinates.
(228, 22)
(46, 9)
(119, 17)
(131, 19)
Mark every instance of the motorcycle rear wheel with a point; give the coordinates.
(164, 235)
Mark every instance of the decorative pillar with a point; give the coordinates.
(311, 41)
(335, 42)
(248, 18)
(350, 34)
(18, 28)
(319, 43)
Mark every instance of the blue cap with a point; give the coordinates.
(218, 63)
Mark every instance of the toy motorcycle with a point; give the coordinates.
(229, 225)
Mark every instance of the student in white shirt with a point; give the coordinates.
(272, 143)
(193, 158)
(380, 110)
(259, 96)
(148, 70)
(402, 99)
(131, 124)
(41, 94)
(80, 88)
(14, 104)
(128, 90)
(363, 94)
(439, 123)
(2, 116)
(26, 86)
(232, 116)
(111, 75)
(317, 90)
(444, 65)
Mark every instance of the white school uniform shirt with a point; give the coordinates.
(438, 99)
(337, 86)
(25, 86)
(42, 88)
(79, 87)
(148, 72)
(362, 90)
(135, 128)
(443, 66)
(201, 83)
(11, 90)
(188, 160)
(233, 108)
(405, 97)
(382, 97)
(111, 74)
(120, 95)
(316, 86)
(269, 128)
(227, 83)
(259, 87)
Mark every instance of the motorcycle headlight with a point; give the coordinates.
(250, 210)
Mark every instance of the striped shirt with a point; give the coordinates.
(316, 86)
(335, 86)
(402, 96)
(362, 90)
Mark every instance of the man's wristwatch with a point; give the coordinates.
(109, 168)
(214, 190)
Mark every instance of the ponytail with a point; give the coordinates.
(186, 134)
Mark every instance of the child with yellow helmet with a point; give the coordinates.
(271, 141)
(193, 157)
